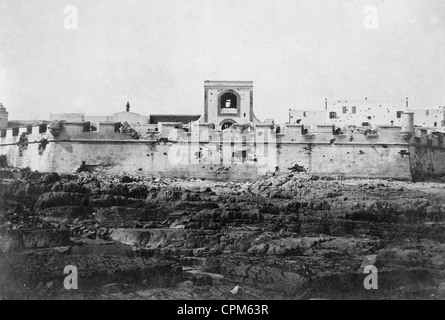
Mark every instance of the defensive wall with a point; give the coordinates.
(245, 153)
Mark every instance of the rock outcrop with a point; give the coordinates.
(293, 235)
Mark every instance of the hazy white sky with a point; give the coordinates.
(157, 54)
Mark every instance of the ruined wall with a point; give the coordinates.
(350, 155)
(206, 153)
(169, 160)
(30, 152)
(214, 155)
(427, 155)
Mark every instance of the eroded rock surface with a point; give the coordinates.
(292, 235)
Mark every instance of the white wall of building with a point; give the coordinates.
(367, 112)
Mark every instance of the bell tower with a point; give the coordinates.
(228, 102)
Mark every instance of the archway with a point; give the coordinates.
(227, 123)
(228, 100)
(229, 103)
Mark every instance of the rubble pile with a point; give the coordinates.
(128, 129)
(293, 235)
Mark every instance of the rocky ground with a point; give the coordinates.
(290, 236)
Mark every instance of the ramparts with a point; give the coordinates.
(245, 153)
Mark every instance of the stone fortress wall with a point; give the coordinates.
(229, 142)
(399, 152)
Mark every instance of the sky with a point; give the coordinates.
(158, 53)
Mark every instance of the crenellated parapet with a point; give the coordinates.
(64, 131)
(12, 135)
(330, 134)
(260, 133)
(300, 134)
(85, 131)
(241, 151)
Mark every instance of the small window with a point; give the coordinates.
(427, 112)
(332, 115)
(345, 109)
(15, 132)
(354, 110)
(435, 124)
(399, 114)
(3, 133)
(365, 124)
(29, 129)
(304, 114)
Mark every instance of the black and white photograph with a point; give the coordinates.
(222, 155)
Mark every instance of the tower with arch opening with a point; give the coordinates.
(227, 103)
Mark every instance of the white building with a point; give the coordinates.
(367, 113)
